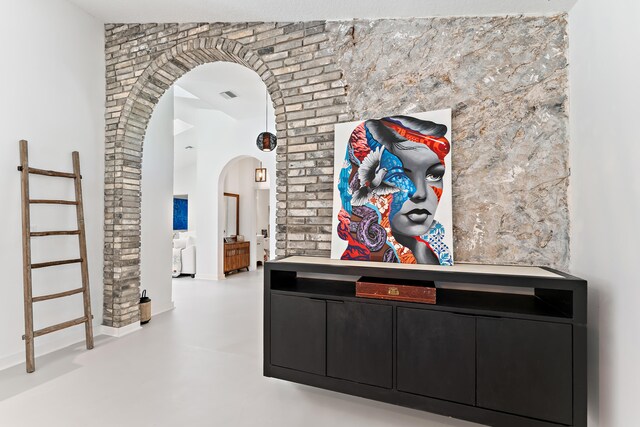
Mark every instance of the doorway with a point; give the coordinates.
(210, 133)
(244, 214)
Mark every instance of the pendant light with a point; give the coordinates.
(266, 141)
(261, 174)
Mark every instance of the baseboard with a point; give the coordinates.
(209, 277)
(12, 360)
(42, 349)
(162, 309)
(120, 332)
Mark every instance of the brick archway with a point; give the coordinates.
(124, 145)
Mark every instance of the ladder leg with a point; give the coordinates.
(26, 258)
(31, 357)
(83, 251)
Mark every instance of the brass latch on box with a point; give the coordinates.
(393, 291)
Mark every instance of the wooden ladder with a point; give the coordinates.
(27, 234)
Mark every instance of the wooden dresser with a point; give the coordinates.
(236, 256)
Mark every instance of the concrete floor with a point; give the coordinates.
(198, 365)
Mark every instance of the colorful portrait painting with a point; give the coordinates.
(392, 200)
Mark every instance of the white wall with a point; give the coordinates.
(262, 211)
(157, 206)
(53, 96)
(213, 130)
(605, 198)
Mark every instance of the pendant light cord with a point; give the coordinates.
(266, 109)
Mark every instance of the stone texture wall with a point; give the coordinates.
(506, 81)
(504, 78)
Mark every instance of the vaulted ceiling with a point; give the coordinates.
(306, 10)
(200, 89)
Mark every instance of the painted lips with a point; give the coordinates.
(418, 215)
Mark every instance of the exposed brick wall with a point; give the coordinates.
(504, 77)
(294, 60)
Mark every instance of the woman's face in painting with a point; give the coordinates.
(423, 167)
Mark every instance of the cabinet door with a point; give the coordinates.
(360, 342)
(525, 368)
(298, 333)
(437, 355)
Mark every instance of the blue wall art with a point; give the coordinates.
(180, 214)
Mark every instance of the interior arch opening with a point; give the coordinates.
(201, 143)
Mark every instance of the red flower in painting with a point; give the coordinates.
(358, 142)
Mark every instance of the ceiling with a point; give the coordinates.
(201, 88)
(114, 11)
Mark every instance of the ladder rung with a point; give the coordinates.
(57, 327)
(52, 263)
(57, 295)
(53, 202)
(54, 233)
(51, 173)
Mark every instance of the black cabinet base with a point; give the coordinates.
(435, 406)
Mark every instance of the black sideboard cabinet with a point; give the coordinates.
(505, 346)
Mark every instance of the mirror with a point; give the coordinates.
(232, 214)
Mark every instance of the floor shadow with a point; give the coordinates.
(16, 380)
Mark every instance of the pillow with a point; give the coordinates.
(179, 243)
(177, 263)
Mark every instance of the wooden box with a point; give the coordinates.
(396, 289)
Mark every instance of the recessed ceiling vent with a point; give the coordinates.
(228, 94)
